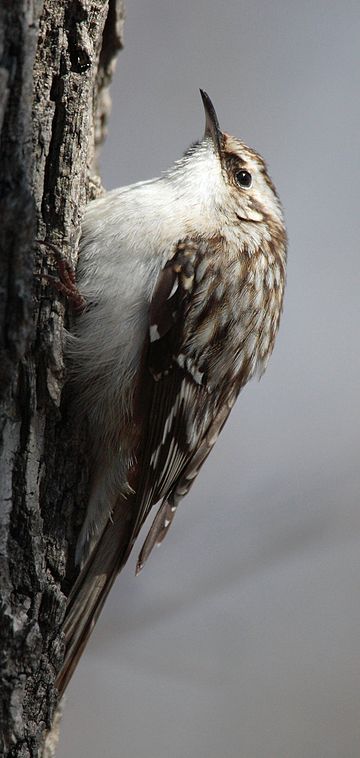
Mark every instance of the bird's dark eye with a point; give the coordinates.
(243, 179)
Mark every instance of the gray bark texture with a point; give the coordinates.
(56, 62)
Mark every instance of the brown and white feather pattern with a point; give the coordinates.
(183, 277)
(213, 322)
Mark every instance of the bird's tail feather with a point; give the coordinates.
(92, 587)
(99, 572)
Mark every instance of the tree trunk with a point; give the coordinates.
(57, 58)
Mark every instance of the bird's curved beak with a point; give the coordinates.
(212, 128)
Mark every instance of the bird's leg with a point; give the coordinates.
(66, 284)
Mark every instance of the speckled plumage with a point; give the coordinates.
(184, 278)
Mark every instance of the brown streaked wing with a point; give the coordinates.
(174, 392)
(168, 507)
(183, 416)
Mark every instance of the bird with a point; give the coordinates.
(179, 291)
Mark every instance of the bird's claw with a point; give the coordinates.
(66, 284)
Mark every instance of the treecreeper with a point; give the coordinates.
(178, 293)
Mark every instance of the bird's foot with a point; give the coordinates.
(66, 284)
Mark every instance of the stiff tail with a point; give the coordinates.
(100, 571)
(92, 588)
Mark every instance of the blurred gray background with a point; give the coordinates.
(241, 638)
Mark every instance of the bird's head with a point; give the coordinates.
(226, 178)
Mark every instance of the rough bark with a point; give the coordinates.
(56, 61)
